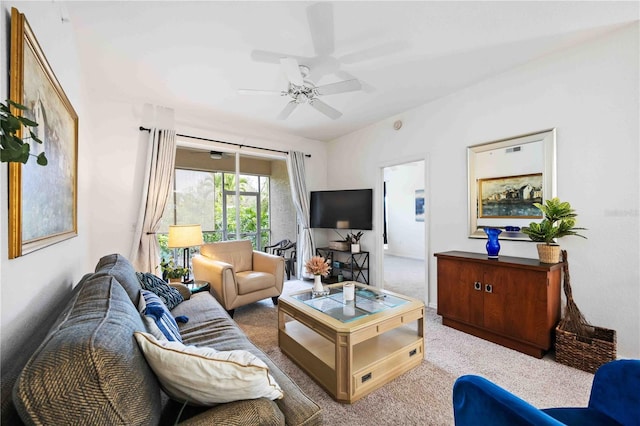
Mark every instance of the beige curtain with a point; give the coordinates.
(145, 255)
(305, 246)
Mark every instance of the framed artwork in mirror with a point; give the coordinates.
(42, 199)
(505, 178)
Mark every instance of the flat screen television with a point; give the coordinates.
(345, 209)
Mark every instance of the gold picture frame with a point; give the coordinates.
(42, 199)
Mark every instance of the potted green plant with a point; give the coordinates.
(12, 147)
(559, 220)
(171, 272)
(354, 240)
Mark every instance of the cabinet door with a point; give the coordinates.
(457, 297)
(516, 304)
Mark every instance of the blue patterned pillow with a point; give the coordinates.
(157, 317)
(169, 295)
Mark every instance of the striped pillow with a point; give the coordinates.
(157, 317)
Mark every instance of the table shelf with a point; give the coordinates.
(356, 265)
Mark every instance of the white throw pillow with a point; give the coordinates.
(205, 376)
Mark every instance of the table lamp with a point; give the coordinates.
(184, 237)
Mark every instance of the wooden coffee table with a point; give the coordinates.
(352, 348)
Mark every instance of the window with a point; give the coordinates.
(209, 199)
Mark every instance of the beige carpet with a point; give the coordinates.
(423, 395)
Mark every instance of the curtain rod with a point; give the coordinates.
(145, 129)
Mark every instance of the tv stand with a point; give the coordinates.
(355, 265)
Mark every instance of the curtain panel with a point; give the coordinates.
(305, 243)
(145, 254)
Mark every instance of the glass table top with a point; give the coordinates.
(366, 302)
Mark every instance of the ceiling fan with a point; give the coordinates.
(302, 90)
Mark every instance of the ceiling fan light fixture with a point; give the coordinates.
(215, 155)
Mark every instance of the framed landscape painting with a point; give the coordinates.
(42, 199)
(510, 196)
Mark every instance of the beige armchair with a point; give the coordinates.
(238, 275)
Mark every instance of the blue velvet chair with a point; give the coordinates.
(614, 400)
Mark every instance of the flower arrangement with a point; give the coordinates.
(317, 265)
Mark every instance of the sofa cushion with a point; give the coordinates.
(119, 267)
(239, 254)
(252, 281)
(89, 369)
(169, 295)
(157, 317)
(205, 376)
(210, 325)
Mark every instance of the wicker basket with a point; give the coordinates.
(585, 354)
(548, 253)
(339, 245)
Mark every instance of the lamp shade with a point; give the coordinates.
(181, 236)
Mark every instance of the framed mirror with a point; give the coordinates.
(505, 178)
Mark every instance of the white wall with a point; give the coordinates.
(405, 236)
(31, 285)
(589, 93)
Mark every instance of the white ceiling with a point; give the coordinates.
(194, 56)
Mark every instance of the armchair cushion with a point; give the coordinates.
(239, 254)
(251, 281)
(580, 416)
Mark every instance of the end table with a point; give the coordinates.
(197, 286)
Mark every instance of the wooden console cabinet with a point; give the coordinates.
(512, 301)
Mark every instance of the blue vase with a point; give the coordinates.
(493, 245)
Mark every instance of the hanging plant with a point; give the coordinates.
(13, 149)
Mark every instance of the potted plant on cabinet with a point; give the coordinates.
(559, 221)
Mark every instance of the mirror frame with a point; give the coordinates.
(548, 139)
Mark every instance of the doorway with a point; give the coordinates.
(404, 231)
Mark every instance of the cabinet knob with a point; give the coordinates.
(488, 288)
(477, 285)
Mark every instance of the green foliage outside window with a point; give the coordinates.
(198, 198)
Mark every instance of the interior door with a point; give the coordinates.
(403, 246)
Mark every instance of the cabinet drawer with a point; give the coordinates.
(391, 366)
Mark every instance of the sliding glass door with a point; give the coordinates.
(211, 199)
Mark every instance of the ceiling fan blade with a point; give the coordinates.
(320, 18)
(339, 87)
(375, 52)
(292, 71)
(260, 92)
(287, 110)
(325, 109)
(268, 57)
(366, 87)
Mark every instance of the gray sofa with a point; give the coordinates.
(89, 369)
